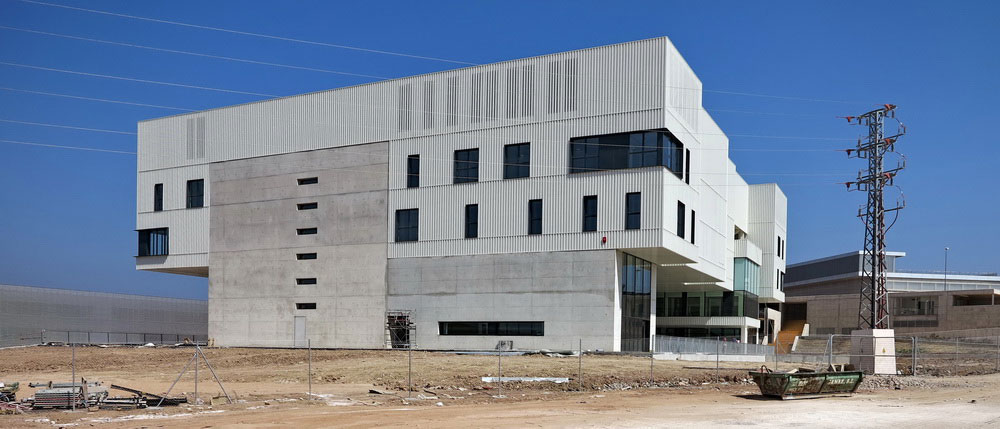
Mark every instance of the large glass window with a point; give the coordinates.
(516, 160)
(746, 275)
(195, 193)
(492, 328)
(712, 304)
(471, 220)
(636, 284)
(154, 242)
(590, 213)
(627, 150)
(535, 217)
(466, 166)
(158, 197)
(633, 210)
(413, 171)
(407, 222)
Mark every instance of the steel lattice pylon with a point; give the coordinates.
(873, 311)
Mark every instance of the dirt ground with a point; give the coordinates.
(270, 390)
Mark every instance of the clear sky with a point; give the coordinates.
(67, 216)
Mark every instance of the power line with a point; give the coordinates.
(175, 51)
(66, 147)
(156, 82)
(247, 33)
(65, 126)
(103, 100)
(821, 100)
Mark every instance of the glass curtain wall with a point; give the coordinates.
(636, 283)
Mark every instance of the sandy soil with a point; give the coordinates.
(270, 386)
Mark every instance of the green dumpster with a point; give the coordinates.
(801, 383)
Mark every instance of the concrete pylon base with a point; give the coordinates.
(874, 350)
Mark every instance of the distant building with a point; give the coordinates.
(578, 195)
(35, 314)
(825, 294)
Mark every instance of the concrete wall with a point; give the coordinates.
(572, 292)
(253, 265)
(26, 311)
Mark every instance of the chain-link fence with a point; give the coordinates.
(99, 338)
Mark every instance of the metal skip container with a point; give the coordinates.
(800, 383)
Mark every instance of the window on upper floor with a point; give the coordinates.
(154, 242)
(306, 281)
(626, 150)
(308, 181)
(693, 224)
(590, 213)
(305, 256)
(633, 210)
(534, 217)
(471, 220)
(413, 171)
(407, 224)
(306, 231)
(305, 305)
(516, 160)
(681, 224)
(687, 166)
(158, 197)
(466, 166)
(195, 193)
(307, 206)
(492, 328)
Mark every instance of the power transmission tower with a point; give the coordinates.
(873, 311)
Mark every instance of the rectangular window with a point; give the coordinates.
(305, 306)
(306, 281)
(305, 256)
(523, 329)
(154, 242)
(195, 193)
(680, 219)
(307, 206)
(413, 171)
(693, 223)
(308, 181)
(633, 210)
(158, 197)
(516, 160)
(534, 217)
(626, 150)
(687, 166)
(466, 166)
(306, 231)
(407, 222)
(471, 220)
(590, 213)
(778, 248)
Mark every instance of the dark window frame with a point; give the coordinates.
(636, 149)
(413, 171)
(307, 206)
(466, 166)
(681, 223)
(307, 231)
(305, 305)
(306, 256)
(536, 213)
(633, 210)
(693, 223)
(308, 181)
(195, 193)
(590, 211)
(471, 220)
(687, 166)
(306, 281)
(154, 242)
(517, 160)
(158, 197)
(492, 328)
(407, 225)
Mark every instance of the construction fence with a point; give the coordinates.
(99, 338)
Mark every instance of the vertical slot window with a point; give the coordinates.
(413, 171)
(158, 197)
(633, 210)
(472, 220)
(590, 213)
(534, 217)
(681, 210)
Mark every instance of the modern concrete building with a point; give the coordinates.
(35, 314)
(579, 195)
(825, 294)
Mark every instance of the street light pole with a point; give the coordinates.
(946, 249)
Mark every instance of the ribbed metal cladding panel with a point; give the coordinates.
(603, 80)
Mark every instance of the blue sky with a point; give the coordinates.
(67, 216)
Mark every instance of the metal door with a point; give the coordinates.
(300, 331)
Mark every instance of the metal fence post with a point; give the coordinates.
(956, 348)
(310, 370)
(652, 349)
(913, 340)
(196, 365)
(829, 345)
(499, 373)
(718, 351)
(998, 353)
(580, 368)
(73, 381)
(409, 369)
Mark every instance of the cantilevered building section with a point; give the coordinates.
(580, 195)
